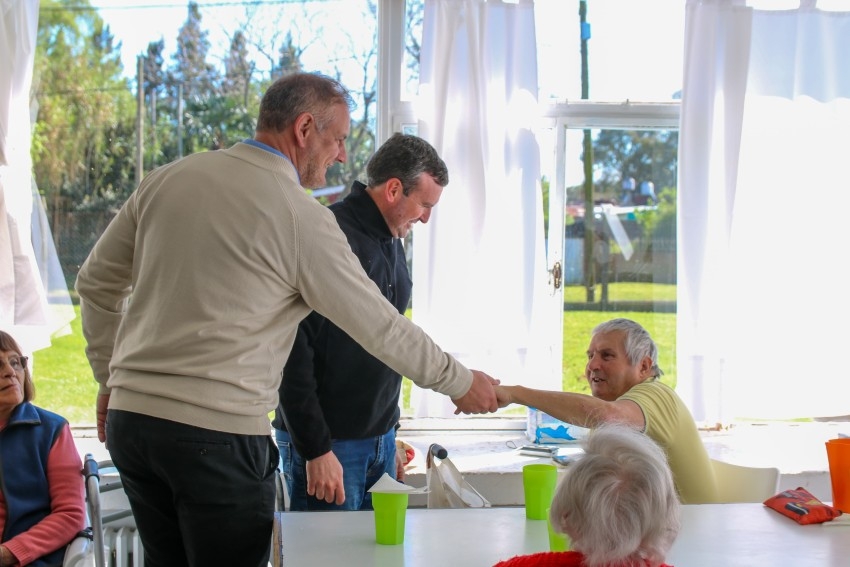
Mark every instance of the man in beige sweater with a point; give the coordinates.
(190, 302)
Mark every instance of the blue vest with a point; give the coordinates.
(25, 444)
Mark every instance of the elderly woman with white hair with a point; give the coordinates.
(617, 503)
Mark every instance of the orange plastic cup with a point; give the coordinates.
(838, 455)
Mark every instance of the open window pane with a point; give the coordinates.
(621, 262)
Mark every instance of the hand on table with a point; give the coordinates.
(480, 398)
(324, 479)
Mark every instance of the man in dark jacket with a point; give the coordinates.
(335, 425)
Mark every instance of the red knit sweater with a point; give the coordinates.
(547, 559)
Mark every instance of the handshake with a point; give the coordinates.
(484, 396)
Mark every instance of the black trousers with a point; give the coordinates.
(200, 498)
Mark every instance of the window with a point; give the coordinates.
(634, 53)
(634, 57)
(621, 260)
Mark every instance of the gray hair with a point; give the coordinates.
(618, 502)
(406, 157)
(293, 95)
(638, 343)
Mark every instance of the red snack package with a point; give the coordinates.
(802, 507)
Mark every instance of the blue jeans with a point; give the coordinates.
(363, 462)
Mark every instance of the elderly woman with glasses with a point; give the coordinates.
(42, 502)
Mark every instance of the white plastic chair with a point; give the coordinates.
(737, 483)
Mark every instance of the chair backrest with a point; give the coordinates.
(737, 483)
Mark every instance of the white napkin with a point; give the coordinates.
(388, 484)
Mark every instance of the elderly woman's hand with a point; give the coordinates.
(6, 557)
(503, 396)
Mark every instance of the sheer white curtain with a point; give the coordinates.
(477, 264)
(763, 224)
(34, 300)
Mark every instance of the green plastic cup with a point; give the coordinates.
(557, 541)
(538, 483)
(390, 510)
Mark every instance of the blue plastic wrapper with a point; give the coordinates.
(544, 429)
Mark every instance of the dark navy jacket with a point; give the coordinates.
(332, 388)
(25, 444)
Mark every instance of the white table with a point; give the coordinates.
(712, 535)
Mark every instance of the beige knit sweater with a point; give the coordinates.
(191, 298)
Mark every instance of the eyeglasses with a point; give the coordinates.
(18, 363)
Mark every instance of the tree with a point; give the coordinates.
(212, 119)
(659, 223)
(361, 138)
(82, 102)
(275, 34)
(646, 155)
(217, 122)
(82, 143)
(238, 69)
(289, 59)
(198, 77)
(155, 76)
(158, 103)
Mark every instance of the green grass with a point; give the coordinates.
(63, 377)
(624, 291)
(64, 381)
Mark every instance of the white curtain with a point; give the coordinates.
(34, 300)
(763, 229)
(478, 265)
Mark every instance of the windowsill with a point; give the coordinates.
(464, 424)
(486, 454)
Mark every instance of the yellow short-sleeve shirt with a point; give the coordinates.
(670, 424)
